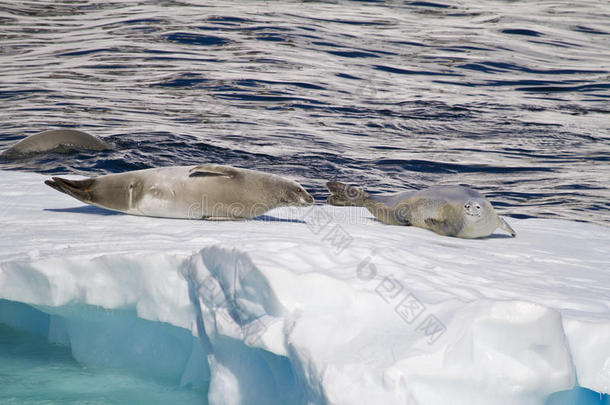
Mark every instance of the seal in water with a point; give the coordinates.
(447, 210)
(55, 138)
(207, 191)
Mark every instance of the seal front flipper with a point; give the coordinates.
(442, 227)
(213, 170)
(505, 226)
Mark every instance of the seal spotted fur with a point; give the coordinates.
(447, 210)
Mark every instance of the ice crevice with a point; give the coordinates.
(321, 306)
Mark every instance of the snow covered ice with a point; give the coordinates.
(318, 305)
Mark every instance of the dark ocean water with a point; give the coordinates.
(512, 98)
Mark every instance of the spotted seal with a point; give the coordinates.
(447, 210)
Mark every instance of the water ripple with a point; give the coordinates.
(509, 97)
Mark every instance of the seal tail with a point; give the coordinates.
(344, 195)
(79, 189)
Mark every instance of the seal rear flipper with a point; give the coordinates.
(344, 195)
(213, 170)
(79, 189)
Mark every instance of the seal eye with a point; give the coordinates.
(467, 206)
(478, 206)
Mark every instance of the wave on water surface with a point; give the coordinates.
(510, 98)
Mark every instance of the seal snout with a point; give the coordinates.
(472, 209)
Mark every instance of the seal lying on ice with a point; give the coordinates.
(207, 191)
(49, 140)
(447, 210)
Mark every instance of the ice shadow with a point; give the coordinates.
(269, 218)
(86, 209)
(94, 210)
(499, 236)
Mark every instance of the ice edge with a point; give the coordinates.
(252, 342)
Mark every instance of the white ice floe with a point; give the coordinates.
(319, 305)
